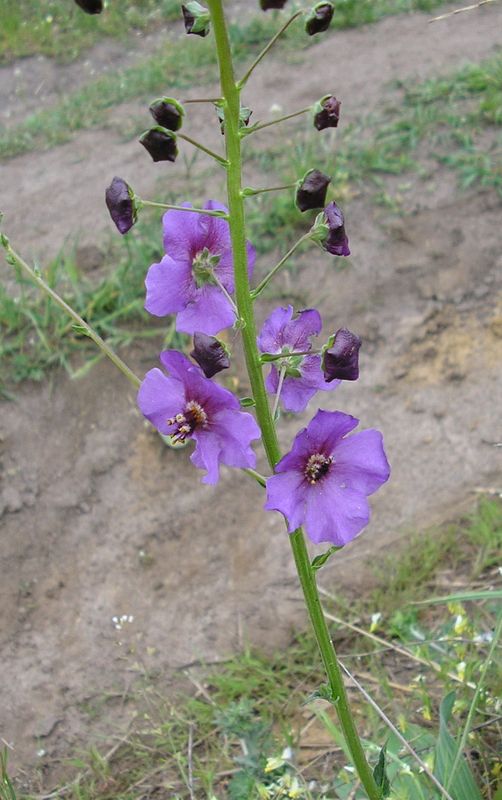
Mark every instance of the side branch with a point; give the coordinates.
(267, 47)
(207, 211)
(14, 259)
(266, 280)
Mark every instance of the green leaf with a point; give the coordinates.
(247, 402)
(319, 561)
(323, 692)
(380, 775)
(462, 785)
(496, 594)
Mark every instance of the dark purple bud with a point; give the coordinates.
(319, 19)
(210, 354)
(336, 242)
(341, 357)
(266, 4)
(311, 191)
(167, 113)
(327, 113)
(196, 18)
(90, 6)
(121, 204)
(160, 143)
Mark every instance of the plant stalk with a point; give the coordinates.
(231, 106)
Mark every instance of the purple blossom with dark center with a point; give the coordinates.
(121, 204)
(323, 482)
(328, 114)
(302, 374)
(341, 357)
(187, 405)
(198, 262)
(210, 354)
(336, 242)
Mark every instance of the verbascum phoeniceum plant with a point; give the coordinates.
(205, 278)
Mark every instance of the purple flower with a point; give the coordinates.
(341, 356)
(186, 282)
(336, 242)
(323, 482)
(187, 405)
(303, 375)
(121, 204)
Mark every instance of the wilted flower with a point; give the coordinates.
(281, 334)
(336, 241)
(121, 204)
(328, 113)
(266, 4)
(91, 6)
(160, 143)
(186, 405)
(324, 480)
(196, 18)
(311, 191)
(341, 356)
(188, 281)
(319, 18)
(167, 113)
(209, 353)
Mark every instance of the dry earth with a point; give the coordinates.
(99, 519)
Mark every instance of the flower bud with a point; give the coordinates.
(121, 203)
(244, 117)
(340, 358)
(167, 113)
(210, 354)
(319, 18)
(336, 242)
(160, 143)
(327, 113)
(197, 18)
(90, 6)
(311, 190)
(266, 4)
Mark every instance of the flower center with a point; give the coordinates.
(291, 364)
(194, 417)
(317, 467)
(203, 266)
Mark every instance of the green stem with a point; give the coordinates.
(266, 358)
(207, 211)
(266, 280)
(261, 125)
(249, 192)
(13, 258)
(204, 149)
(265, 50)
(231, 93)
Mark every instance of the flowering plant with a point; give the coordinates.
(204, 278)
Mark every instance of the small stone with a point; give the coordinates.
(11, 499)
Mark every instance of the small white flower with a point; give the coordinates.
(287, 754)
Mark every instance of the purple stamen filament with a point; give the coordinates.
(194, 417)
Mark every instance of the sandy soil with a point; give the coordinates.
(99, 519)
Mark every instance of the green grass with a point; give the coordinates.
(228, 738)
(453, 121)
(59, 29)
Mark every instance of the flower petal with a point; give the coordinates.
(169, 287)
(295, 394)
(327, 428)
(206, 455)
(183, 235)
(287, 493)
(361, 461)
(209, 312)
(177, 364)
(335, 514)
(270, 339)
(160, 398)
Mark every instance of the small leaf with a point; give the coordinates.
(380, 775)
(247, 402)
(80, 329)
(324, 692)
(319, 561)
(462, 785)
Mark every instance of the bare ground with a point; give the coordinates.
(99, 519)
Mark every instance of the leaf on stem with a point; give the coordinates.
(319, 561)
(380, 774)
